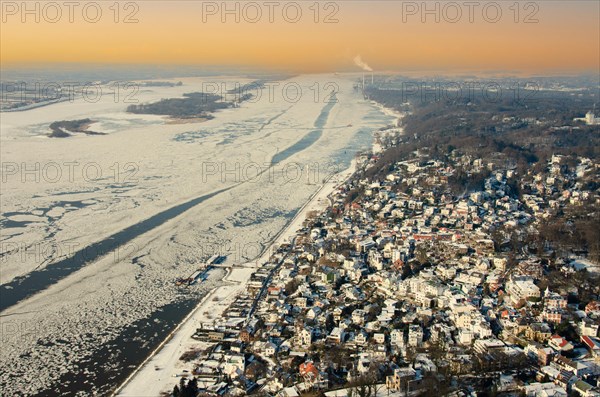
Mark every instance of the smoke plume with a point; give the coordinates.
(362, 64)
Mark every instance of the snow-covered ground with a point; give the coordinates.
(582, 263)
(148, 167)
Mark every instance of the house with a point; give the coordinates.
(311, 375)
(415, 335)
(313, 313)
(522, 287)
(424, 365)
(538, 331)
(585, 389)
(234, 363)
(465, 336)
(364, 363)
(397, 337)
(337, 313)
(336, 335)
(400, 379)
(576, 367)
(593, 344)
(305, 337)
(542, 355)
(560, 344)
(547, 389)
(358, 316)
(545, 355)
(482, 329)
(379, 337)
(552, 315)
(301, 302)
(245, 336)
(365, 245)
(592, 308)
(552, 300)
(361, 337)
(270, 349)
(588, 327)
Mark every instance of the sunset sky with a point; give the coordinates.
(389, 35)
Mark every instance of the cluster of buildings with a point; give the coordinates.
(590, 119)
(409, 288)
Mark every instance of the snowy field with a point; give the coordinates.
(234, 203)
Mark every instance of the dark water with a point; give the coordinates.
(110, 364)
(308, 139)
(67, 205)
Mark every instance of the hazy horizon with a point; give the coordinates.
(152, 71)
(527, 37)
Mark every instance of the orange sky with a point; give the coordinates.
(565, 38)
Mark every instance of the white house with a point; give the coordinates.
(379, 337)
(305, 337)
(415, 335)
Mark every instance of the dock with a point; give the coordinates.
(200, 273)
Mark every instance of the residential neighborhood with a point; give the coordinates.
(406, 286)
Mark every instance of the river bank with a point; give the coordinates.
(157, 372)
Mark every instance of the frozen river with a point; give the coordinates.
(89, 254)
